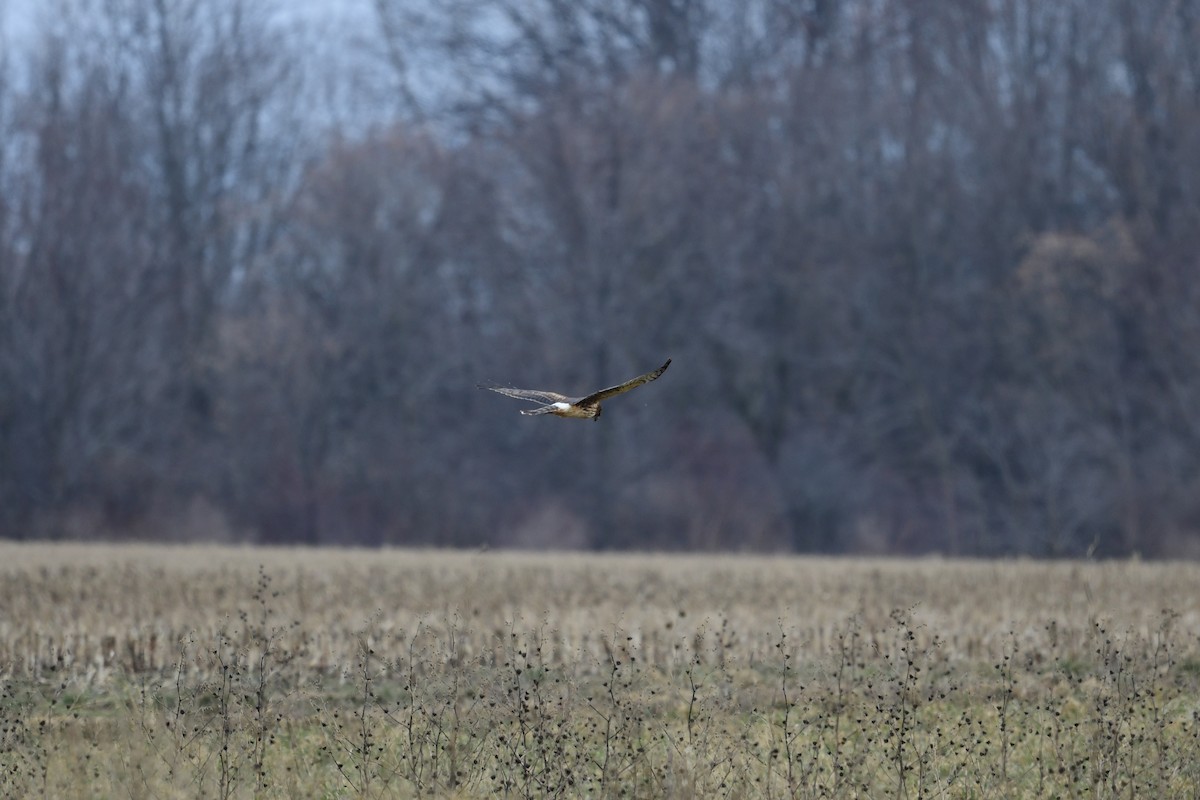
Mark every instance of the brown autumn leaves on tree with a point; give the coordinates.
(927, 272)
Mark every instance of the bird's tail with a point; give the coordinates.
(533, 412)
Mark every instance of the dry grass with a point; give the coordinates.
(225, 672)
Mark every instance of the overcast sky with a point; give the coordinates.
(17, 16)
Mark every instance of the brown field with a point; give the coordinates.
(142, 671)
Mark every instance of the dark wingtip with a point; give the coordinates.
(664, 366)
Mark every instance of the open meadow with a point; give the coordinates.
(160, 672)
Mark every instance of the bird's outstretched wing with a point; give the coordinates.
(531, 395)
(612, 391)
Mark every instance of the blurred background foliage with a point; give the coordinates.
(928, 272)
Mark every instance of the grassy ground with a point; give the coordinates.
(222, 672)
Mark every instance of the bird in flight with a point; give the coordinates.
(586, 407)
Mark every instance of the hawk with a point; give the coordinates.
(586, 407)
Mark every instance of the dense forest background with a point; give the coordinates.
(929, 272)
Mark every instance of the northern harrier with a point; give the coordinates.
(586, 407)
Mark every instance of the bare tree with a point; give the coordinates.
(77, 346)
(924, 269)
(119, 259)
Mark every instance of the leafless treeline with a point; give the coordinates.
(928, 271)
